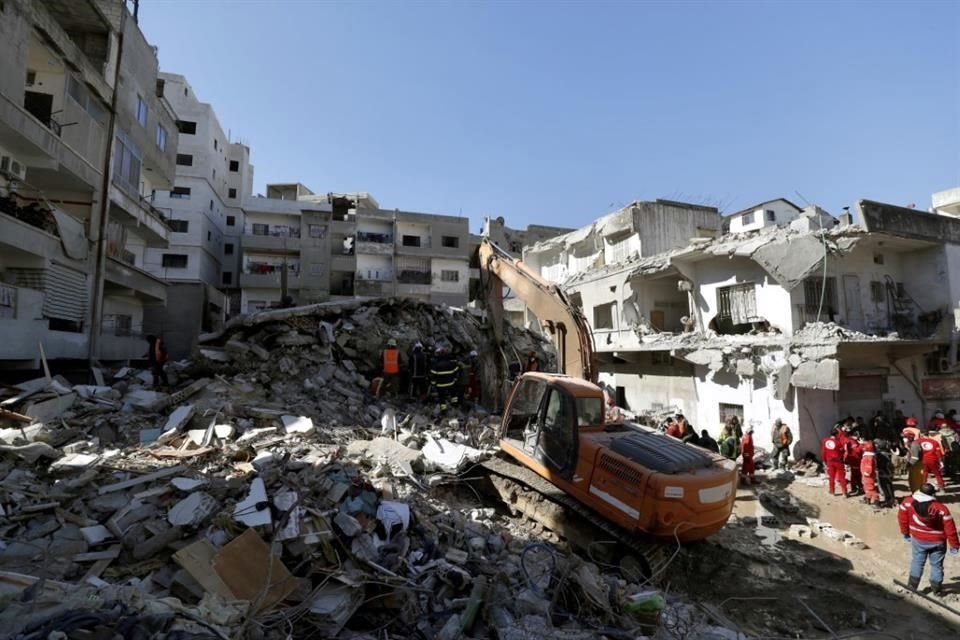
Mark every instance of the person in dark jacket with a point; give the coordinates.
(419, 372)
(885, 473)
(707, 442)
(157, 358)
(445, 377)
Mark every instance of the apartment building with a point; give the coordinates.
(332, 246)
(205, 210)
(806, 318)
(71, 272)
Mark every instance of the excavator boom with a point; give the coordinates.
(561, 321)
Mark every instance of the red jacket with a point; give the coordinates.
(931, 450)
(673, 430)
(868, 465)
(746, 445)
(832, 449)
(926, 520)
(854, 452)
(938, 423)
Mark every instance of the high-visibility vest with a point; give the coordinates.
(391, 360)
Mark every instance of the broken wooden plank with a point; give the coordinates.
(6, 414)
(109, 554)
(150, 477)
(98, 567)
(196, 559)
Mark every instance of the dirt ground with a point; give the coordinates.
(773, 585)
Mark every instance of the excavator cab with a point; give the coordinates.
(542, 419)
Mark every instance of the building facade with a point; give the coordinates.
(334, 246)
(204, 205)
(71, 241)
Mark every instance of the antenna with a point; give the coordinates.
(800, 195)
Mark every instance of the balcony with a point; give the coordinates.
(408, 245)
(377, 244)
(373, 287)
(8, 301)
(410, 276)
(125, 279)
(273, 243)
(261, 275)
(136, 212)
(18, 236)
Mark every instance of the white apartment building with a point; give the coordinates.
(201, 263)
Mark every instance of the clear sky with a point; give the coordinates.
(556, 113)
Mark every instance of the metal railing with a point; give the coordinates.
(8, 301)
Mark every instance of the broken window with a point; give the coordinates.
(746, 219)
(261, 229)
(231, 193)
(411, 241)
(234, 165)
(184, 159)
(186, 127)
(175, 261)
(603, 315)
(179, 226)
(182, 193)
(737, 304)
(876, 291)
(816, 288)
(771, 215)
(449, 275)
(451, 242)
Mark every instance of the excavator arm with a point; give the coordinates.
(561, 321)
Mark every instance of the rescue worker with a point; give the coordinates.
(471, 381)
(748, 470)
(931, 457)
(885, 472)
(950, 441)
(831, 452)
(673, 428)
(910, 428)
(708, 443)
(687, 433)
(938, 421)
(927, 524)
(728, 441)
(444, 377)
(390, 367)
(853, 457)
(868, 471)
(914, 460)
(157, 358)
(533, 362)
(782, 438)
(419, 370)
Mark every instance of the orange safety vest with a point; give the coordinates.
(391, 360)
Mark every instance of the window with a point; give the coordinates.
(211, 205)
(231, 193)
(214, 174)
(449, 275)
(318, 231)
(186, 127)
(451, 242)
(728, 411)
(771, 215)
(231, 221)
(228, 249)
(603, 315)
(227, 277)
(209, 236)
(126, 165)
(746, 219)
(261, 229)
(737, 304)
(234, 165)
(161, 138)
(878, 258)
(813, 289)
(660, 357)
(182, 193)
(141, 111)
(876, 291)
(175, 261)
(214, 143)
(179, 226)
(184, 159)
(411, 241)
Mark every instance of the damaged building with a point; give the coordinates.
(792, 314)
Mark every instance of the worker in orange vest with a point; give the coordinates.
(390, 367)
(157, 358)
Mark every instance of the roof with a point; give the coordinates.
(765, 203)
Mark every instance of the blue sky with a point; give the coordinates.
(555, 113)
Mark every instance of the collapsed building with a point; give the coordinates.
(791, 314)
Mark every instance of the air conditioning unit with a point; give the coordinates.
(12, 168)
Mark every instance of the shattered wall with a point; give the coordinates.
(772, 301)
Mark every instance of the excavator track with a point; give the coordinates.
(525, 492)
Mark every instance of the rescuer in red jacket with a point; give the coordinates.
(852, 459)
(868, 471)
(929, 527)
(932, 455)
(748, 469)
(832, 454)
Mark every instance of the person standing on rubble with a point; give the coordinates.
(782, 438)
(928, 526)
(868, 472)
(931, 457)
(831, 452)
(533, 362)
(444, 377)
(419, 370)
(471, 378)
(853, 458)
(885, 473)
(748, 469)
(390, 367)
(157, 358)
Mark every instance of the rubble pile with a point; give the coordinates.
(274, 497)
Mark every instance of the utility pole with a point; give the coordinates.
(96, 311)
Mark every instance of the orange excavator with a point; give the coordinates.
(649, 485)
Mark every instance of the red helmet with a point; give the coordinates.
(911, 421)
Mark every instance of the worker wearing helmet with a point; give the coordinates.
(445, 377)
(390, 367)
(832, 454)
(931, 457)
(471, 377)
(419, 370)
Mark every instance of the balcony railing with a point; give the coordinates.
(264, 268)
(115, 324)
(414, 277)
(379, 238)
(276, 231)
(33, 214)
(8, 301)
